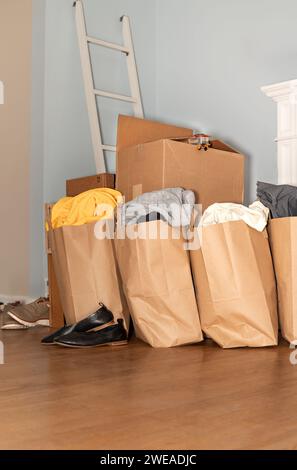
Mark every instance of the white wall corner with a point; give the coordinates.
(1, 92)
(285, 95)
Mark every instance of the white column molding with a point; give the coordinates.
(285, 95)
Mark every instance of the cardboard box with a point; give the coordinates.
(79, 185)
(150, 157)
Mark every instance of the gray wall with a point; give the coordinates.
(37, 268)
(60, 135)
(200, 64)
(212, 58)
(68, 151)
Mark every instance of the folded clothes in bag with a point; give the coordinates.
(235, 285)
(157, 281)
(255, 215)
(280, 199)
(89, 206)
(282, 228)
(172, 205)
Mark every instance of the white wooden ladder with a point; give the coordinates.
(91, 92)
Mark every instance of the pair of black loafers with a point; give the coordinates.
(98, 329)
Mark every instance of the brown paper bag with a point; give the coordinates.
(235, 286)
(87, 273)
(158, 285)
(283, 241)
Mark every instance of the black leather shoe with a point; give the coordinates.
(113, 335)
(56, 334)
(98, 320)
(101, 318)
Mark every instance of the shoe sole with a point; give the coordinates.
(14, 327)
(95, 329)
(116, 343)
(41, 322)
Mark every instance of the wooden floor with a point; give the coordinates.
(136, 397)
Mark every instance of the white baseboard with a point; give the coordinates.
(13, 298)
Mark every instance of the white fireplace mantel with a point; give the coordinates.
(285, 95)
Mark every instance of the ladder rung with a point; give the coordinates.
(110, 148)
(109, 45)
(115, 96)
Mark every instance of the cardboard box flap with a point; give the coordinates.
(133, 131)
(216, 144)
(219, 145)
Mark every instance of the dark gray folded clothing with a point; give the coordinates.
(280, 199)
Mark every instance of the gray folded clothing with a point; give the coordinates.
(280, 199)
(172, 205)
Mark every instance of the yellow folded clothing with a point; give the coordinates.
(89, 206)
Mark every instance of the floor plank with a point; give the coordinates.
(137, 397)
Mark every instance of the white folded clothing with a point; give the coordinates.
(256, 215)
